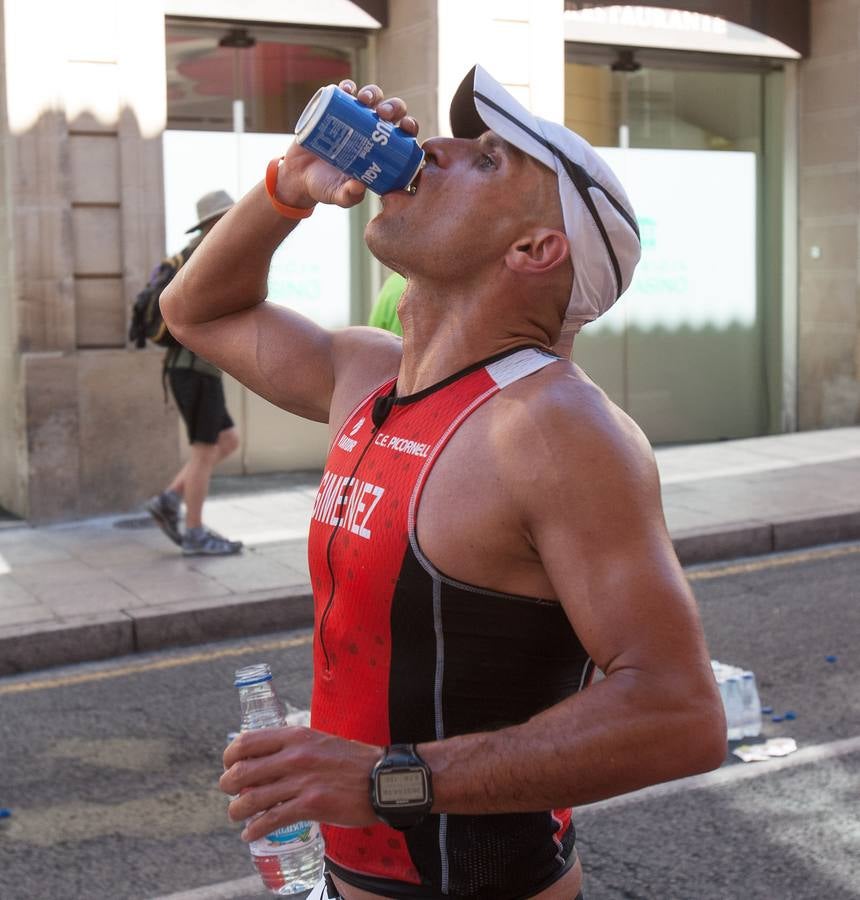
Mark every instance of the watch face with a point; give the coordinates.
(401, 787)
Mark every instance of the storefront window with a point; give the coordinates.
(234, 95)
(209, 73)
(684, 350)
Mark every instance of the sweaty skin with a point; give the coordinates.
(548, 490)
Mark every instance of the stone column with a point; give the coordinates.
(829, 252)
(86, 107)
(38, 270)
(407, 59)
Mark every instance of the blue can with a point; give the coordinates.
(351, 136)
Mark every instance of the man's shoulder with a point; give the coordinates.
(366, 353)
(560, 416)
(562, 399)
(365, 358)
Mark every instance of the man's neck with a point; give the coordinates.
(441, 338)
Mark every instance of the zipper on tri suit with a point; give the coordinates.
(335, 528)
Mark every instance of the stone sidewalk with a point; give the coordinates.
(110, 586)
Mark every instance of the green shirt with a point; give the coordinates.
(384, 312)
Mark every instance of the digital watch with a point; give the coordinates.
(401, 789)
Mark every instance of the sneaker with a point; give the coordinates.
(165, 510)
(203, 541)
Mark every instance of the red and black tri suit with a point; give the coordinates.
(404, 654)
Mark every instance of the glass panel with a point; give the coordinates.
(190, 103)
(311, 271)
(274, 80)
(683, 350)
(685, 110)
(693, 339)
(234, 96)
(590, 107)
(691, 110)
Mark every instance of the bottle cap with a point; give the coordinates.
(776, 718)
(5, 813)
(247, 682)
(767, 710)
(831, 658)
(790, 714)
(256, 674)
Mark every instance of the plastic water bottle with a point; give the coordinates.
(289, 860)
(751, 705)
(733, 701)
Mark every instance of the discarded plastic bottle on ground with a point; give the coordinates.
(751, 706)
(289, 860)
(734, 708)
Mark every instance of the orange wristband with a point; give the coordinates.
(289, 212)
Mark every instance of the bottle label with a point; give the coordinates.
(289, 835)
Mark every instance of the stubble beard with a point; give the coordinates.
(389, 240)
(399, 244)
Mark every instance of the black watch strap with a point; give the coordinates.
(401, 787)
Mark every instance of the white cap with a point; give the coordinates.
(598, 219)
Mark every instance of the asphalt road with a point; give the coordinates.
(111, 768)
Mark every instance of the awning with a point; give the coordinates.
(786, 21)
(364, 14)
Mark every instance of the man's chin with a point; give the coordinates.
(384, 239)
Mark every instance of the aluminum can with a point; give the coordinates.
(351, 136)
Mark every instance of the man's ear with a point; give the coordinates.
(538, 252)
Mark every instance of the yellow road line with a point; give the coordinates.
(772, 562)
(134, 669)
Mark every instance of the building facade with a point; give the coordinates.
(120, 115)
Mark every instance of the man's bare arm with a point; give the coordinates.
(656, 715)
(216, 305)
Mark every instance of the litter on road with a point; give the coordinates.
(781, 746)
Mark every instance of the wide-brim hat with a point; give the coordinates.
(210, 206)
(599, 220)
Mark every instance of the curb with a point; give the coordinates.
(25, 648)
(758, 537)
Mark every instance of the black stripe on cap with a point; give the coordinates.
(586, 178)
(582, 180)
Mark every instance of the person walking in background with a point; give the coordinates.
(384, 312)
(197, 388)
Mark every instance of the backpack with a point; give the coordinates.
(146, 321)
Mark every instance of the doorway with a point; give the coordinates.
(691, 351)
(234, 96)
